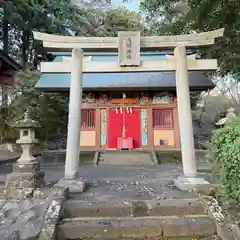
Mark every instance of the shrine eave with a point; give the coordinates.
(9, 61)
(198, 81)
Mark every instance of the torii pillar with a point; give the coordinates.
(71, 178)
(190, 178)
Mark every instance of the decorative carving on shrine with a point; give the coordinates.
(131, 101)
(103, 99)
(163, 98)
(89, 98)
(144, 127)
(144, 99)
(104, 121)
(126, 101)
(129, 48)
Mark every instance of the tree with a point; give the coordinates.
(92, 4)
(207, 112)
(5, 31)
(164, 17)
(224, 155)
(212, 106)
(121, 19)
(205, 15)
(24, 16)
(50, 109)
(61, 17)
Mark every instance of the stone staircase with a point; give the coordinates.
(126, 158)
(165, 219)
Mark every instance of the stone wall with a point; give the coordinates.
(59, 156)
(175, 156)
(33, 218)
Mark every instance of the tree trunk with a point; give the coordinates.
(25, 47)
(5, 31)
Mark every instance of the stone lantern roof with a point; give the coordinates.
(26, 123)
(231, 115)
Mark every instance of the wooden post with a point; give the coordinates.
(176, 128)
(150, 127)
(98, 129)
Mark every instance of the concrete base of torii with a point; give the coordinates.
(187, 184)
(74, 185)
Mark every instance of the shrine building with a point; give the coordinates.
(127, 110)
(127, 93)
(8, 70)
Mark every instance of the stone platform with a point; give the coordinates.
(119, 182)
(130, 196)
(24, 179)
(134, 203)
(107, 183)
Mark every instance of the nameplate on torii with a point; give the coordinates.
(129, 48)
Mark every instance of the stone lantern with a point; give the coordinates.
(26, 172)
(27, 138)
(231, 116)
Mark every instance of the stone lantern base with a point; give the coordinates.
(25, 178)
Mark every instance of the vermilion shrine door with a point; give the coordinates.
(132, 125)
(115, 123)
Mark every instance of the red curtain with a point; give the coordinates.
(132, 124)
(133, 127)
(115, 122)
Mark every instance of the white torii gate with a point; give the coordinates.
(180, 63)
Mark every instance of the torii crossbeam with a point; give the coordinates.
(103, 44)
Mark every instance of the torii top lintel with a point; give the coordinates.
(104, 44)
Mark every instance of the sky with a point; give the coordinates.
(131, 4)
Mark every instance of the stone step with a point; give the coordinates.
(125, 163)
(122, 157)
(136, 228)
(169, 207)
(126, 158)
(129, 153)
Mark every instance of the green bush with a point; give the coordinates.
(224, 154)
